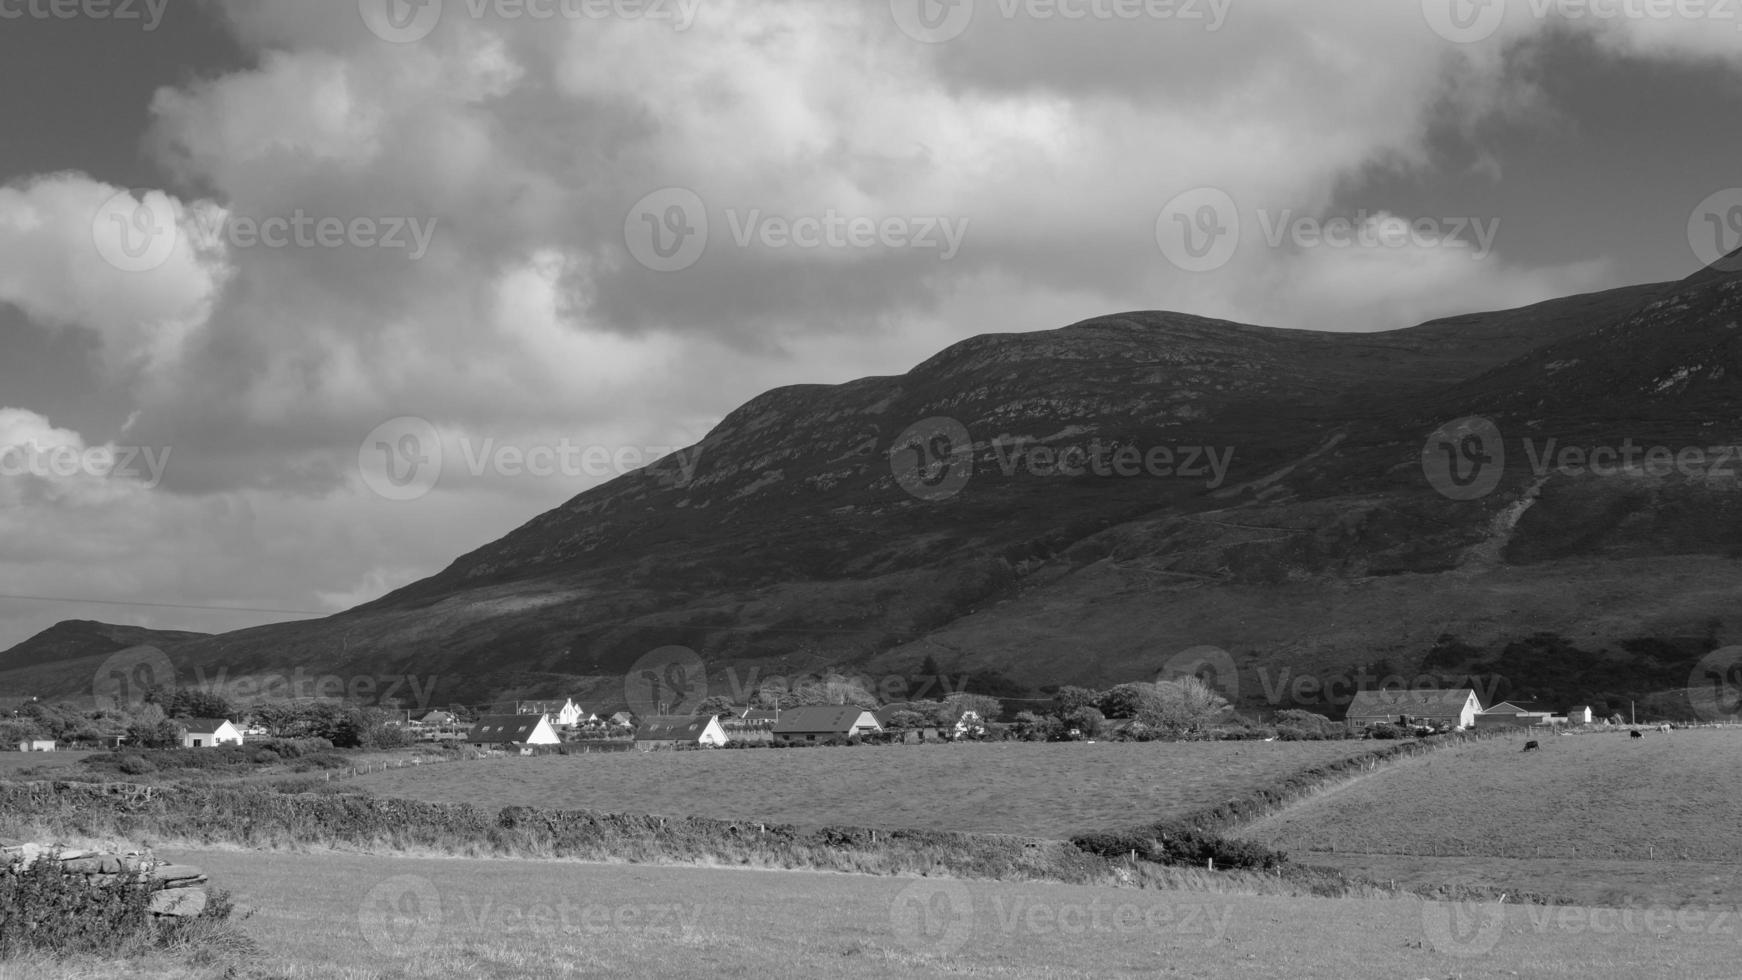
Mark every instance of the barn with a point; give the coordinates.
(1452, 708)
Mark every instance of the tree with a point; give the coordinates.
(164, 734)
(195, 703)
(1089, 721)
(1140, 701)
(1188, 703)
(1036, 727)
(905, 719)
(719, 704)
(1069, 699)
(988, 708)
(15, 730)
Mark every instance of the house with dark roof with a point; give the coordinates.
(823, 724)
(513, 733)
(1452, 708)
(204, 733)
(679, 732)
(1516, 714)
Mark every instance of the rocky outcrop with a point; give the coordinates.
(177, 890)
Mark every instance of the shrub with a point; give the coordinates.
(266, 757)
(1384, 731)
(45, 911)
(135, 765)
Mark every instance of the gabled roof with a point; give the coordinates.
(1433, 703)
(1517, 707)
(672, 728)
(504, 728)
(202, 726)
(832, 718)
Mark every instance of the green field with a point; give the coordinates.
(1598, 817)
(349, 917)
(16, 764)
(1031, 789)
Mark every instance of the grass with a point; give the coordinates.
(1031, 789)
(13, 764)
(1589, 796)
(353, 917)
(1600, 818)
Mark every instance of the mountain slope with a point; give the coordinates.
(1290, 521)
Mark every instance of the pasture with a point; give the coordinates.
(1031, 789)
(1597, 817)
(352, 917)
(14, 765)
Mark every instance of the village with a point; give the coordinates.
(528, 727)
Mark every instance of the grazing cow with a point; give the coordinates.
(1636, 733)
(1531, 745)
(1664, 728)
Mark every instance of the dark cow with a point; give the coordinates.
(1531, 745)
(1636, 733)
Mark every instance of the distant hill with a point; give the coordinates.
(1309, 540)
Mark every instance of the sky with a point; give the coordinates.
(302, 299)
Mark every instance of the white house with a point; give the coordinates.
(563, 714)
(674, 732)
(37, 745)
(205, 733)
(1454, 708)
(518, 733)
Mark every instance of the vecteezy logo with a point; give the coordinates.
(135, 234)
(1715, 230)
(401, 460)
(1199, 230)
(128, 675)
(401, 916)
(933, 916)
(1464, 21)
(667, 231)
(1464, 460)
(932, 21)
(668, 681)
(1715, 686)
(934, 459)
(401, 21)
(1463, 929)
(1212, 665)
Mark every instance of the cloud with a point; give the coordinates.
(523, 147)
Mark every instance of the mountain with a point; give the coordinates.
(82, 638)
(1274, 504)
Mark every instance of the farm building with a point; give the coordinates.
(621, 719)
(438, 719)
(1580, 714)
(679, 732)
(198, 733)
(515, 733)
(1456, 708)
(36, 745)
(823, 724)
(1516, 714)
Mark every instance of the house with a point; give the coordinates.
(823, 724)
(622, 719)
(439, 719)
(752, 719)
(679, 732)
(513, 733)
(1580, 714)
(1453, 708)
(36, 745)
(1516, 714)
(563, 714)
(205, 733)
